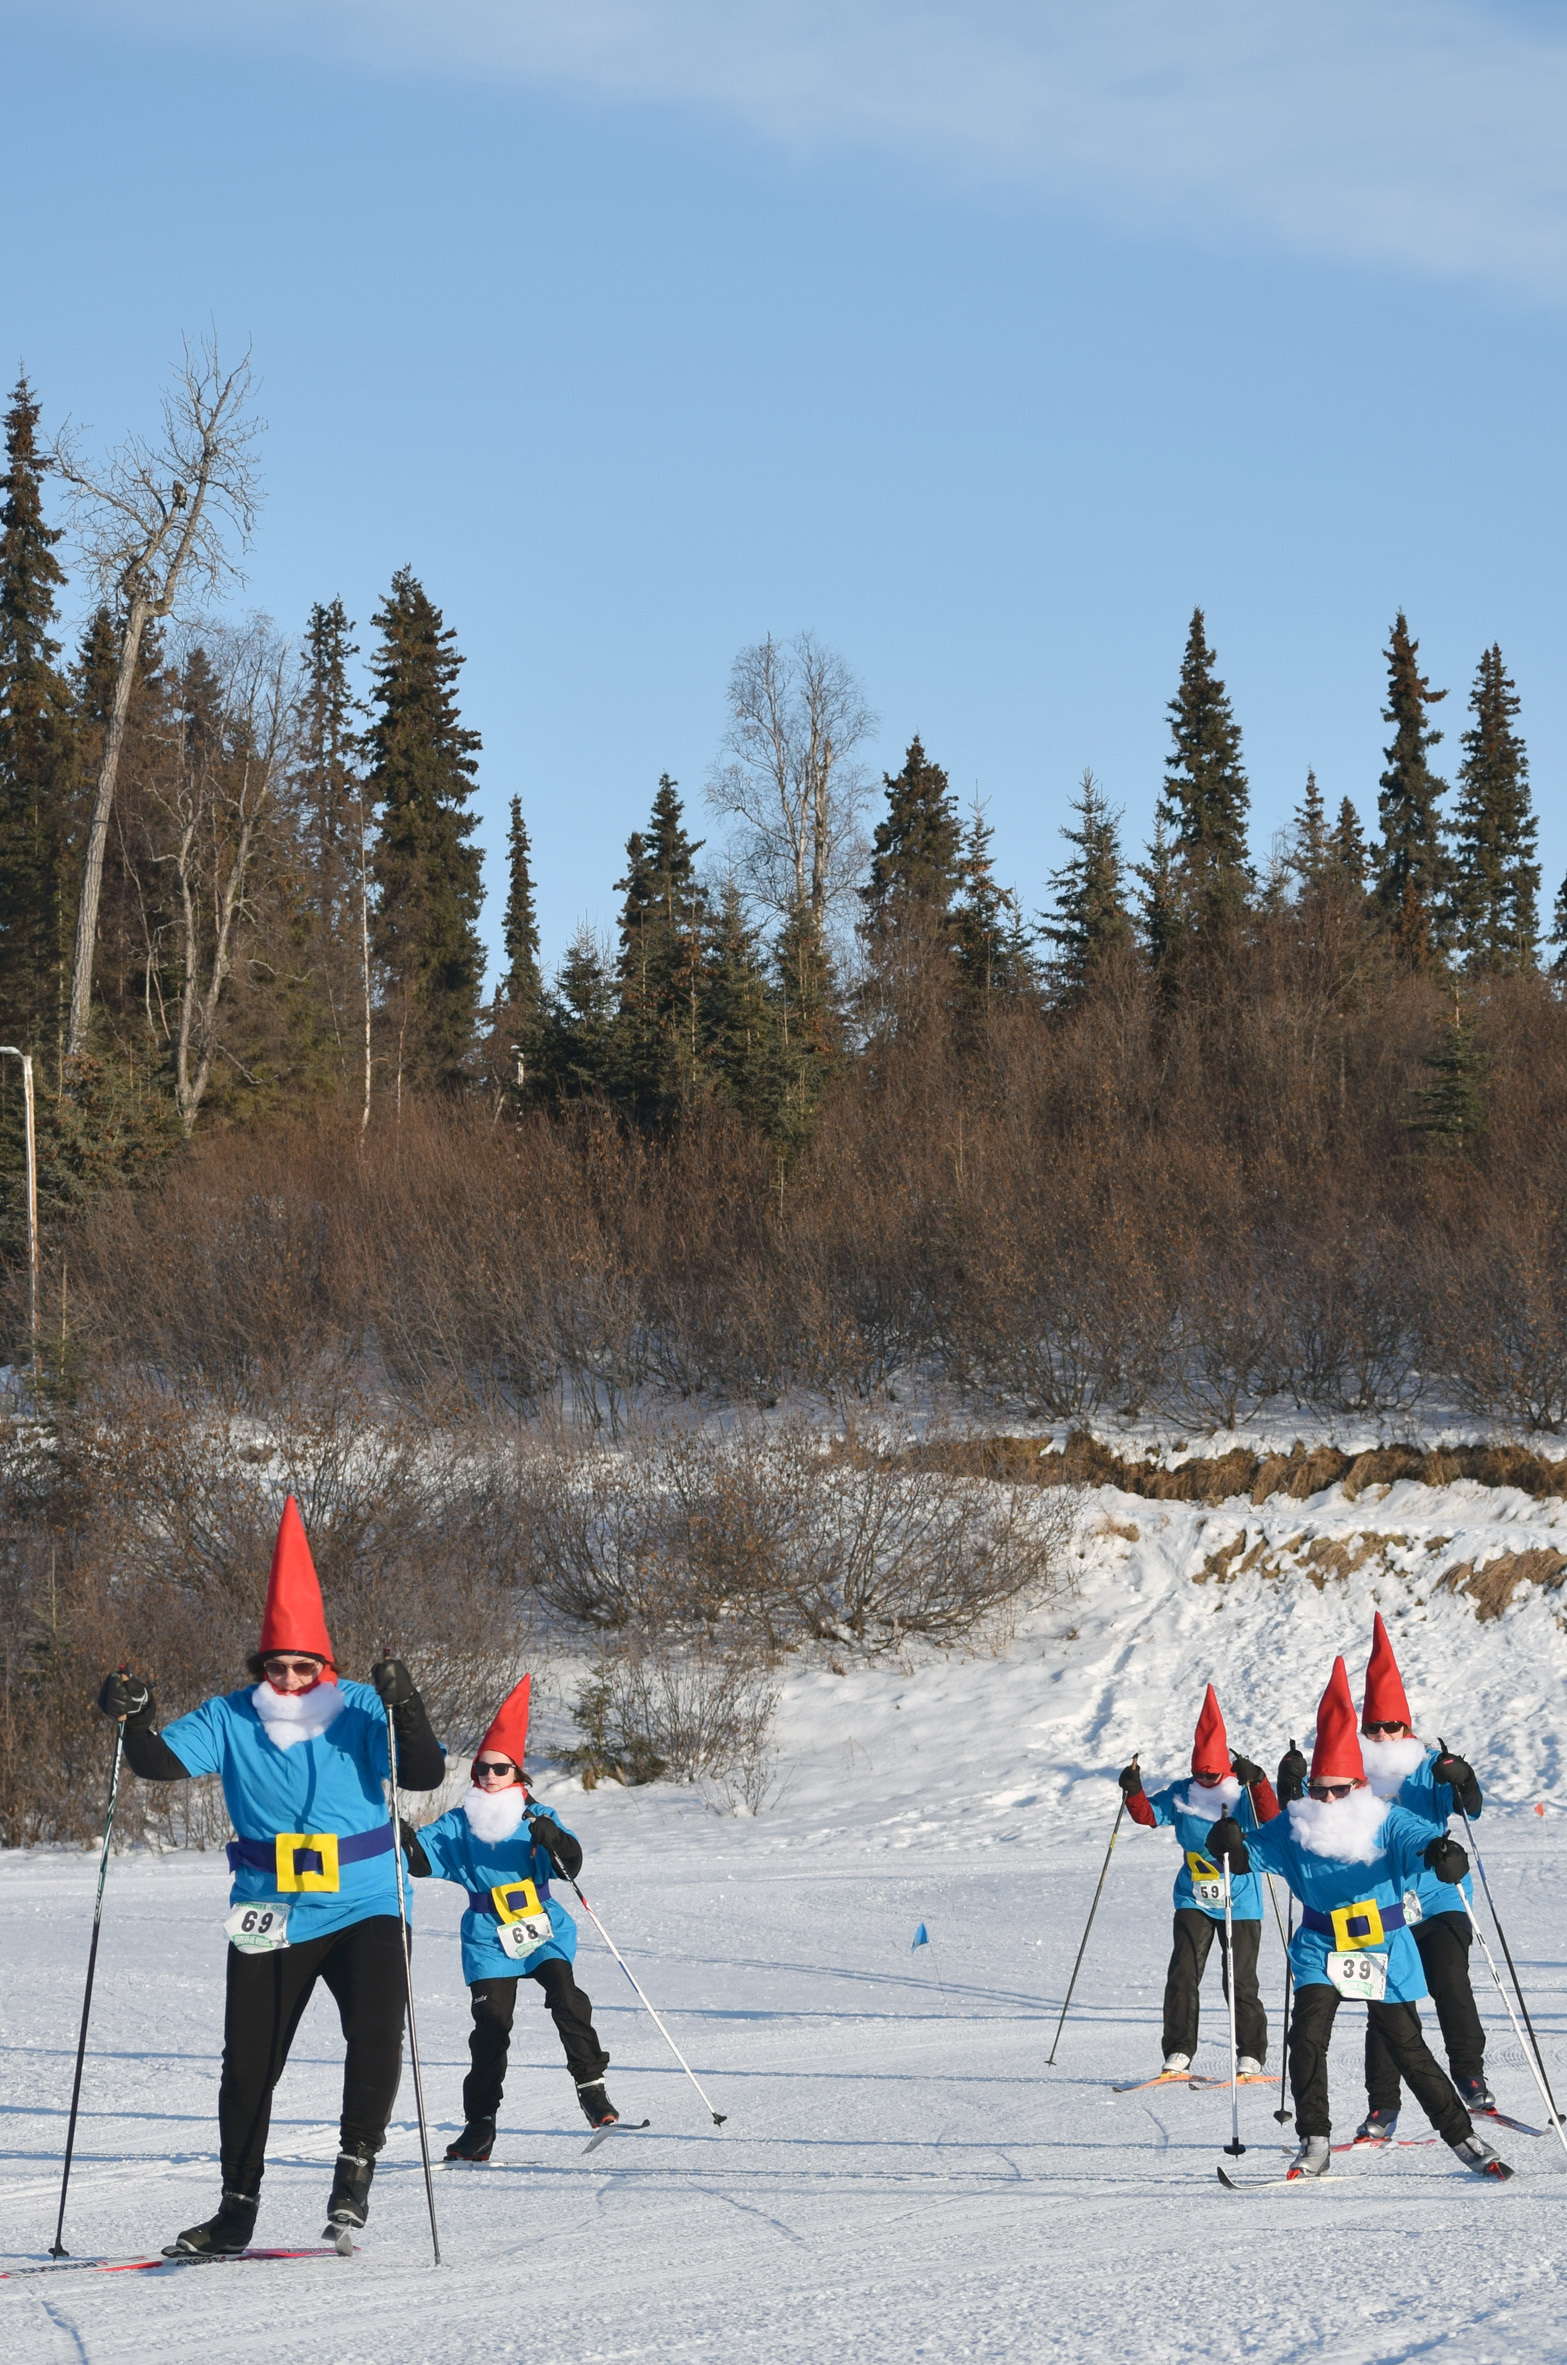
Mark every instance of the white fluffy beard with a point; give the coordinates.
(1389, 1764)
(1347, 1830)
(292, 1717)
(1209, 1805)
(495, 1814)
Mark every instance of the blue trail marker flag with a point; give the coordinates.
(921, 1938)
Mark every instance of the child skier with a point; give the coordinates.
(501, 1846)
(303, 1757)
(1215, 1788)
(1427, 1782)
(1348, 1856)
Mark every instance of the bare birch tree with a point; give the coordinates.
(217, 799)
(156, 523)
(788, 775)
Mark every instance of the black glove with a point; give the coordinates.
(1455, 1771)
(128, 1696)
(1292, 1775)
(1244, 1771)
(393, 1681)
(1131, 1782)
(1226, 1840)
(1447, 1859)
(564, 1852)
(418, 1861)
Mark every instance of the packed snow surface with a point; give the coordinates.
(903, 2175)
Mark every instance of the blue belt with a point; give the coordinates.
(483, 1900)
(261, 1854)
(1321, 1924)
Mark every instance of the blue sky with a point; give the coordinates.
(983, 340)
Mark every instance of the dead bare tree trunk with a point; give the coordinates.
(152, 522)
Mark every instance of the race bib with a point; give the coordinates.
(1414, 1911)
(1360, 1976)
(1206, 1879)
(524, 1922)
(258, 1929)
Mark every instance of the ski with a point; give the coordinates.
(1499, 2118)
(1272, 2184)
(1384, 2142)
(1166, 2077)
(141, 2266)
(616, 2127)
(1252, 2078)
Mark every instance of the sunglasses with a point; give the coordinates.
(486, 1768)
(293, 1666)
(1393, 1724)
(1330, 1789)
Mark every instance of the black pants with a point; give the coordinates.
(1444, 1941)
(1194, 1935)
(1398, 2026)
(495, 2001)
(362, 1968)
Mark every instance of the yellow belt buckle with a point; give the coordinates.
(1199, 1867)
(506, 1910)
(293, 1875)
(1356, 1926)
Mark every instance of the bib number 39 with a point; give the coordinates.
(258, 1929)
(1360, 1976)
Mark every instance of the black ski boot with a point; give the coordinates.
(476, 2142)
(1478, 2155)
(225, 2236)
(597, 2107)
(349, 2206)
(1377, 2127)
(1475, 2094)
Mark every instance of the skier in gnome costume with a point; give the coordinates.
(303, 1757)
(1191, 1811)
(501, 1846)
(1432, 1783)
(1349, 1856)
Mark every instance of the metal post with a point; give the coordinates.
(9, 1050)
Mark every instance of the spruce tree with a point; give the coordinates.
(1494, 881)
(1347, 847)
(1205, 799)
(426, 873)
(1452, 1106)
(991, 944)
(332, 802)
(810, 1039)
(576, 1036)
(37, 748)
(1158, 903)
(659, 970)
(1311, 853)
(1411, 863)
(520, 934)
(739, 1034)
(1089, 919)
(917, 849)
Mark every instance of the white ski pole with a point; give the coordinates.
(1528, 2050)
(1235, 2146)
(408, 1981)
(717, 2116)
(57, 2248)
(1283, 2116)
(1532, 2048)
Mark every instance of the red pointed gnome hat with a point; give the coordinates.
(508, 1735)
(294, 1619)
(1385, 1695)
(1211, 1744)
(1336, 1756)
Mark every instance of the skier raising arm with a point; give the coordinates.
(502, 1846)
(1348, 1857)
(1190, 1810)
(302, 1757)
(1432, 1783)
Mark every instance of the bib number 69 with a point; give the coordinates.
(258, 1929)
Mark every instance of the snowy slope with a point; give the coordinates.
(902, 2175)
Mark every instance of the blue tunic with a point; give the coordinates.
(1323, 1882)
(1434, 1801)
(456, 1853)
(330, 1784)
(1192, 1831)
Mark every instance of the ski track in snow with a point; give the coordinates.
(903, 2176)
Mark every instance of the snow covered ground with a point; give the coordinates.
(902, 2174)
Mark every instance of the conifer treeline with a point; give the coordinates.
(291, 894)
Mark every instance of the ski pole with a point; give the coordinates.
(408, 1981)
(1092, 1910)
(1532, 2048)
(1235, 2146)
(57, 2248)
(718, 2116)
(1283, 2116)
